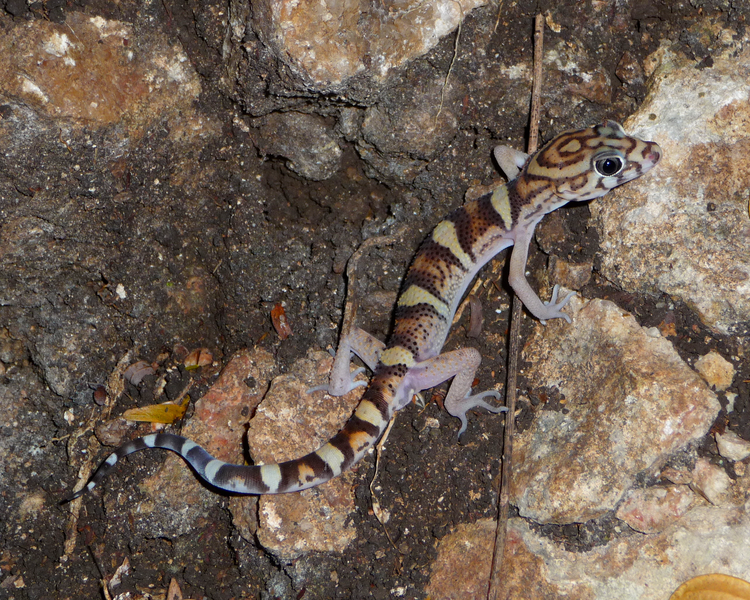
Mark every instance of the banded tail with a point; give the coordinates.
(361, 431)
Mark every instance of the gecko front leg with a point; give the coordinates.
(510, 160)
(517, 279)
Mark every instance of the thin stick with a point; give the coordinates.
(453, 62)
(495, 588)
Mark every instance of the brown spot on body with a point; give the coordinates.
(429, 279)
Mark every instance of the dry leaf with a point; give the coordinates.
(174, 592)
(122, 571)
(280, 323)
(713, 587)
(138, 371)
(166, 412)
(198, 358)
(100, 395)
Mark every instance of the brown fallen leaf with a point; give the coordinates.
(280, 323)
(174, 592)
(136, 372)
(198, 358)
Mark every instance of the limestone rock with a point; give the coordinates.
(732, 446)
(637, 567)
(652, 509)
(683, 230)
(86, 70)
(716, 370)
(714, 484)
(284, 427)
(326, 42)
(633, 404)
(462, 568)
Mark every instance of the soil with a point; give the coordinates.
(287, 242)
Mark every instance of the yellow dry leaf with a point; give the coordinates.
(713, 587)
(167, 412)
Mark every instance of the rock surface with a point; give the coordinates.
(169, 176)
(636, 567)
(290, 423)
(326, 43)
(633, 405)
(685, 231)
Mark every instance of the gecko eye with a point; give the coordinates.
(607, 167)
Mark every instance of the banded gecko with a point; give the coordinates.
(574, 166)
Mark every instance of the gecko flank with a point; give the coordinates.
(574, 166)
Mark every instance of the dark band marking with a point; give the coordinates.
(375, 394)
(318, 466)
(487, 216)
(462, 222)
(430, 282)
(289, 475)
(436, 254)
(340, 441)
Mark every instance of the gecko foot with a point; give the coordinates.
(343, 388)
(460, 408)
(554, 308)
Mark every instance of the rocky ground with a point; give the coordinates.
(174, 174)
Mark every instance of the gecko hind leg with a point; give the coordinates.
(461, 365)
(341, 380)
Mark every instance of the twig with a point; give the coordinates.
(499, 12)
(453, 62)
(351, 304)
(350, 312)
(377, 510)
(495, 589)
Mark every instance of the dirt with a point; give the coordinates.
(203, 270)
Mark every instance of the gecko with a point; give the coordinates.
(575, 166)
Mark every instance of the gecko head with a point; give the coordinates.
(587, 163)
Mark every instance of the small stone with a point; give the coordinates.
(16, 7)
(731, 397)
(711, 482)
(676, 476)
(653, 509)
(569, 274)
(732, 446)
(308, 144)
(716, 370)
(628, 70)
